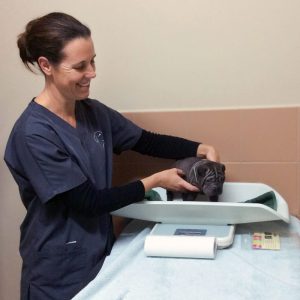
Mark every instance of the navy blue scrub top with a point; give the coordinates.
(62, 249)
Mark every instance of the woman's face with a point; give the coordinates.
(73, 75)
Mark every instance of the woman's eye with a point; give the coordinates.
(79, 67)
(93, 63)
(84, 66)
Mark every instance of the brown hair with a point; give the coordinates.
(46, 36)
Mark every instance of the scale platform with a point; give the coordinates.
(196, 229)
(230, 209)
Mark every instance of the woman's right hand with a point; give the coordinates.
(170, 179)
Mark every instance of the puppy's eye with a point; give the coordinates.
(201, 172)
(210, 180)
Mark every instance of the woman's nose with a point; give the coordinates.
(91, 71)
(91, 74)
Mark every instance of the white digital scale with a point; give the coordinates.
(183, 227)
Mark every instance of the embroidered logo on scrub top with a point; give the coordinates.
(98, 137)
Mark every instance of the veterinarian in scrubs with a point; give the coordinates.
(60, 155)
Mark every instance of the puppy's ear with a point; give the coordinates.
(223, 168)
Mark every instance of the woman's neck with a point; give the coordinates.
(63, 108)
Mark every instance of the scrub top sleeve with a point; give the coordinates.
(48, 166)
(125, 133)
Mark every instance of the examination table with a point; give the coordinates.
(237, 272)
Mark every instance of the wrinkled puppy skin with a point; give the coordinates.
(207, 175)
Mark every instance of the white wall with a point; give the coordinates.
(158, 55)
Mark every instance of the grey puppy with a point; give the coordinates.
(205, 174)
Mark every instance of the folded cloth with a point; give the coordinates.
(267, 198)
(152, 196)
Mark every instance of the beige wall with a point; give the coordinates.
(156, 55)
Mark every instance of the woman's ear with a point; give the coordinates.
(44, 65)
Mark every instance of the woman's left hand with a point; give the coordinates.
(209, 152)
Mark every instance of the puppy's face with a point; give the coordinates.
(208, 176)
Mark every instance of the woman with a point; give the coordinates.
(60, 154)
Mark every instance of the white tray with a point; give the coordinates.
(227, 210)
